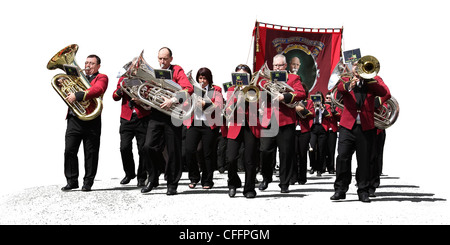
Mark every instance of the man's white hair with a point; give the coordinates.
(280, 56)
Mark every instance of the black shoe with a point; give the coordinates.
(302, 182)
(372, 193)
(284, 189)
(171, 191)
(331, 172)
(250, 194)
(337, 196)
(69, 187)
(364, 197)
(311, 171)
(232, 192)
(125, 180)
(141, 183)
(319, 174)
(264, 184)
(148, 187)
(86, 188)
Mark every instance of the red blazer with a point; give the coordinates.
(180, 77)
(284, 114)
(333, 121)
(308, 114)
(126, 111)
(348, 118)
(326, 115)
(97, 89)
(233, 127)
(215, 94)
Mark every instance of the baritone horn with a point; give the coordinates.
(368, 67)
(153, 91)
(72, 82)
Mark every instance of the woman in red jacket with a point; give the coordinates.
(238, 132)
(203, 126)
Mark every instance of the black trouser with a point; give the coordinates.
(377, 159)
(285, 140)
(135, 128)
(208, 137)
(331, 150)
(318, 143)
(301, 156)
(222, 153)
(162, 132)
(251, 159)
(89, 132)
(350, 141)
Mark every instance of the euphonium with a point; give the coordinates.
(154, 91)
(274, 88)
(368, 67)
(69, 83)
(130, 84)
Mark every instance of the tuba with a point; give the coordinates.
(131, 83)
(154, 91)
(74, 81)
(368, 67)
(274, 87)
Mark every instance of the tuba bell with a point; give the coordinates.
(74, 81)
(368, 67)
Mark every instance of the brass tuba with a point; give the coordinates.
(72, 83)
(368, 67)
(153, 91)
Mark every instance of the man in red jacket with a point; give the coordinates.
(356, 133)
(86, 131)
(284, 118)
(164, 131)
(133, 124)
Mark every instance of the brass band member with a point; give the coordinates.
(242, 132)
(284, 118)
(162, 132)
(202, 127)
(86, 131)
(133, 124)
(332, 134)
(319, 127)
(302, 137)
(356, 133)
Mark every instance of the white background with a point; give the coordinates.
(408, 37)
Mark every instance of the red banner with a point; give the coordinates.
(318, 50)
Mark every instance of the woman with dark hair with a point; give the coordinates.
(203, 126)
(242, 131)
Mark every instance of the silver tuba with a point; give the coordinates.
(274, 88)
(153, 92)
(131, 83)
(368, 67)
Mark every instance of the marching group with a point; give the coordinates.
(304, 129)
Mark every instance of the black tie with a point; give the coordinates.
(317, 116)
